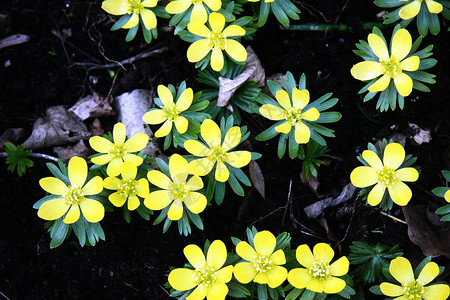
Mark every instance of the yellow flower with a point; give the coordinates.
(217, 153)
(264, 265)
(318, 274)
(127, 187)
(170, 112)
(385, 175)
(176, 191)
(292, 113)
(216, 40)
(411, 288)
(73, 196)
(412, 9)
(390, 67)
(119, 151)
(135, 8)
(198, 13)
(447, 196)
(208, 278)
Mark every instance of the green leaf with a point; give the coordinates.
(234, 183)
(122, 21)
(58, 233)
(219, 192)
(132, 33)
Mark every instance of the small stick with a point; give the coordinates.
(392, 217)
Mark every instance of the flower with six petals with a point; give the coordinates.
(292, 113)
(119, 151)
(389, 67)
(73, 196)
(170, 111)
(411, 288)
(318, 274)
(136, 8)
(385, 175)
(412, 9)
(263, 264)
(128, 188)
(176, 191)
(216, 153)
(198, 13)
(216, 40)
(208, 277)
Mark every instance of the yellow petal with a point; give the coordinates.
(404, 84)
(182, 279)
(185, 99)
(400, 268)
(315, 285)
(176, 210)
(378, 46)
(199, 14)
(376, 194)
(119, 133)
(411, 10)
(311, 114)
(366, 70)
(401, 44)
(407, 174)
(244, 272)
(216, 21)
(222, 174)
(299, 278)
(265, 242)
(194, 184)
(157, 200)
(115, 7)
(213, 4)
(128, 170)
(134, 159)
(199, 29)
(217, 254)
(178, 6)
(217, 291)
(164, 129)
(278, 257)
(142, 188)
(113, 168)
(93, 187)
(134, 20)
(165, 95)
(300, 98)
(284, 128)
(181, 124)
(394, 155)
(73, 215)
(410, 64)
(194, 255)
(117, 199)
(148, 18)
(244, 250)
(53, 209)
(102, 159)
(284, 100)
(217, 59)
(200, 167)
(77, 171)
(391, 290)
(381, 84)
(323, 252)
(232, 138)
(178, 168)
(437, 292)
(195, 202)
(447, 196)
(339, 267)
(199, 293)
(429, 273)
(333, 285)
(93, 211)
(362, 177)
(149, 3)
(233, 30)
(302, 133)
(372, 159)
(304, 256)
(224, 275)
(99, 144)
(111, 183)
(133, 202)
(271, 112)
(159, 179)
(433, 6)
(235, 50)
(53, 185)
(137, 142)
(400, 193)
(276, 276)
(211, 133)
(261, 278)
(196, 148)
(239, 159)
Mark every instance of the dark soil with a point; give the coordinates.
(53, 68)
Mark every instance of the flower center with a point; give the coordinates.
(319, 269)
(170, 112)
(262, 263)
(117, 150)
(217, 154)
(73, 195)
(178, 191)
(196, 1)
(387, 176)
(293, 115)
(127, 187)
(217, 39)
(391, 67)
(204, 275)
(134, 7)
(413, 290)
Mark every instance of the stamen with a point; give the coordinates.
(170, 112)
(73, 195)
(217, 154)
(413, 290)
(127, 187)
(387, 177)
(293, 115)
(117, 149)
(262, 263)
(391, 67)
(218, 39)
(319, 269)
(178, 191)
(204, 275)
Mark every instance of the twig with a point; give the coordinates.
(65, 41)
(392, 217)
(36, 155)
(4, 296)
(288, 202)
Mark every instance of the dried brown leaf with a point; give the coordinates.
(67, 152)
(92, 106)
(257, 178)
(15, 39)
(13, 135)
(420, 135)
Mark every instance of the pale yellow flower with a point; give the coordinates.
(135, 8)
(412, 9)
(198, 13)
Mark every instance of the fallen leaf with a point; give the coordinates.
(96, 128)
(313, 184)
(13, 135)
(257, 178)
(420, 135)
(15, 39)
(66, 153)
(92, 106)
(330, 234)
